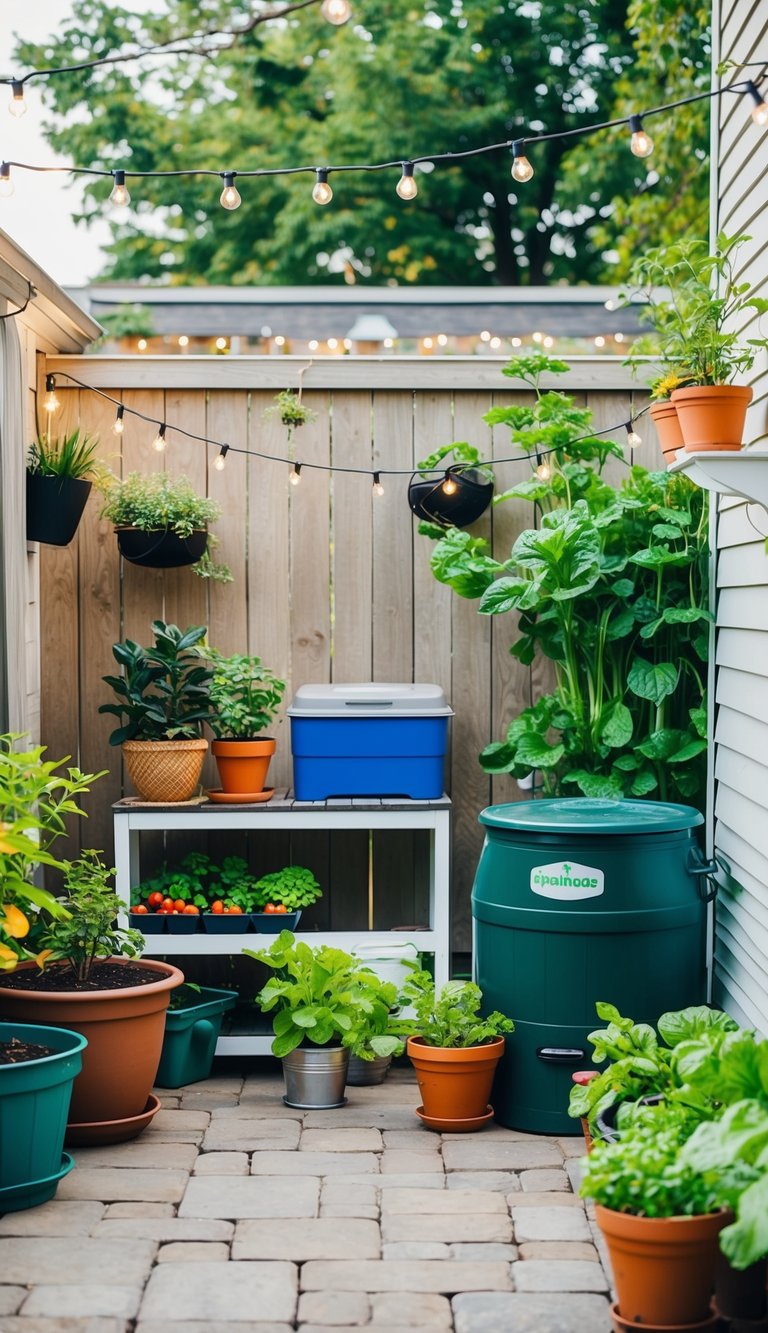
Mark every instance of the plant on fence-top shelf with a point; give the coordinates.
(612, 589)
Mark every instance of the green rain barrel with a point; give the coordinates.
(575, 901)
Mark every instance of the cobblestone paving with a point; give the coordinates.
(233, 1211)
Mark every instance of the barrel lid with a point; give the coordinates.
(581, 814)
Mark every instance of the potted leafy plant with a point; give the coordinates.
(162, 703)
(321, 1000)
(454, 1050)
(85, 978)
(459, 495)
(162, 522)
(245, 695)
(60, 471)
(698, 309)
(279, 897)
(378, 1038)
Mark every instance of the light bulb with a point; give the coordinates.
(119, 195)
(406, 186)
(295, 474)
(633, 439)
(322, 193)
(17, 106)
(641, 144)
(6, 184)
(160, 441)
(220, 462)
(230, 195)
(51, 402)
(119, 425)
(336, 11)
(378, 489)
(760, 108)
(450, 485)
(544, 470)
(521, 168)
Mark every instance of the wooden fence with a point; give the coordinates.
(331, 583)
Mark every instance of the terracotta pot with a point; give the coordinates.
(712, 416)
(243, 765)
(665, 419)
(165, 771)
(663, 1267)
(622, 1325)
(455, 1083)
(124, 1030)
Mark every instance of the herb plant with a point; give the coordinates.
(159, 502)
(163, 691)
(612, 590)
(88, 931)
(72, 455)
(295, 887)
(244, 694)
(290, 409)
(450, 1017)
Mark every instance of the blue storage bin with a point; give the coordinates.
(368, 740)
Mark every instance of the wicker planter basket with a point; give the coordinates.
(164, 771)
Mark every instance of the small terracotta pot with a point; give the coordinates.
(663, 1267)
(243, 765)
(455, 1082)
(712, 416)
(665, 419)
(622, 1325)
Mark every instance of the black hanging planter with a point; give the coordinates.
(457, 508)
(161, 548)
(54, 508)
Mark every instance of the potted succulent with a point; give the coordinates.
(192, 1026)
(60, 471)
(162, 522)
(322, 1000)
(280, 897)
(454, 1051)
(698, 326)
(85, 978)
(245, 695)
(162, 703)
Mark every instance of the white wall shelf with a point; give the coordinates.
(132, 817)
(727, 472)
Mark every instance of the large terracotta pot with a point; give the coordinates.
(665, 419)
(124, 1029)
(712, 416)
(165, 771)
(243, 765)
(455, 1082)
(663, 1268)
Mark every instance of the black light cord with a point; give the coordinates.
(9, 314)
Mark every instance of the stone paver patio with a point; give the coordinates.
(235, 1211)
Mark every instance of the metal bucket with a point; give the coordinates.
(315, 1077)
(364, 1073)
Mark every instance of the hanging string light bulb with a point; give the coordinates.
(759, 111)
(336, 11)
(641, 144)
(119, 425)
(119, 195)
(17, 106)
(230, 195)
(160, 441)
(521, 168)
(378, 488)
(543, 467)
(450, 484)
(633, 439)
(51, 402)
(294, 475)
(6, 184)
(322, 193)
(220, 461)
(406, 186)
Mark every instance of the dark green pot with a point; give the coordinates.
(190, 1037)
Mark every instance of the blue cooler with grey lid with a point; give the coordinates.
(369, 740)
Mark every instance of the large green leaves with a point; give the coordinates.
(654, 681)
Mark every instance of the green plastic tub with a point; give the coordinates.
(575, 901)
(190, 1037)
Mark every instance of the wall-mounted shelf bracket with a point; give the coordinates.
(727, 472)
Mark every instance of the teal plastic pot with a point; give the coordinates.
(34, 1105)
(576, 901)
(190, 1037)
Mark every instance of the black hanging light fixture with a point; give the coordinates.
(454, 500)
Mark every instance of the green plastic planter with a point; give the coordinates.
(190, 1038)
(580, 900)
(34, 1105)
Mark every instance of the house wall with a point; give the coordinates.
(741, 684)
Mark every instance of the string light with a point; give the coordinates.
(160, 441)
(51, 402)
(322, 193)
(633, 439)
(759, 111)
(406, 186)
(230, 195)
(220, 462)
(641, 144)
(521, 168)
(6, 184)
(17, 106)
(378, 488)
(543, 468)
(450, 485)
(294, 476)
(336, 11)
(119, 196)
(119, 425)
